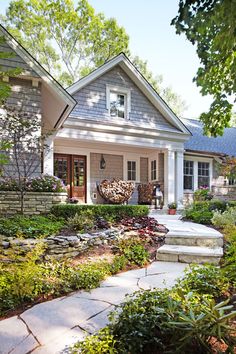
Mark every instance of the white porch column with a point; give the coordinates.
(48, 156)
(179, 180)
(169, 177)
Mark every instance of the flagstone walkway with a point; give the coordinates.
(52, 327)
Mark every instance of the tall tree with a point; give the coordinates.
(23, 132)
(176, 103)
(68, 40)
(211, 26)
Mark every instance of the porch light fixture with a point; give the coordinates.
(102, 163)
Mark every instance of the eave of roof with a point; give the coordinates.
(68, 100)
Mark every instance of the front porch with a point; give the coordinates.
(83, 165)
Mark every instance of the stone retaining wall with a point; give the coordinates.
(224, 192)
(58, 247)
(35, 202)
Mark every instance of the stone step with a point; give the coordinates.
(211, 240)
(189, 254)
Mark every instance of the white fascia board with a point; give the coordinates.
(125, 130)
(139, 80)
(112, 138)
(44, 75)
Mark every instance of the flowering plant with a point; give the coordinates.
(44, 183)
(203, 193)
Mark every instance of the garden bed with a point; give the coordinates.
(30, 272)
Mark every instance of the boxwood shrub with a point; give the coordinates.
(202, 211)
(108, 212)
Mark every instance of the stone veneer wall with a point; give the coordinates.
(35, 202)
(224, 192)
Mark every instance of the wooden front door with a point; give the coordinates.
(72, 170)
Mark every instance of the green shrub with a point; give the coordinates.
(119, 263)
(30, 226)
(199, 212)
(225, 219)
(203, 193)
(21, 281)
(101, 343)
(134, 251)
(108, 212)
(157, 322)
(83, 221)
(207, 279)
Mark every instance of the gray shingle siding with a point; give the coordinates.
(92, 102)
(225, 144)
(15, 61)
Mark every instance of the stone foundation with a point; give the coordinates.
(224, 192)
(59, 247)
(35, 202)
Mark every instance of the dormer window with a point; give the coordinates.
(118, 101)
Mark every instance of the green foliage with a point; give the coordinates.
(108, 212)
(199, 212)
(210, 26)
(224, 219)
(69, 39)
(202, 194)
(21, 281)
(134, 251)
(207, 279)
(30, 226)
(172, 205)
(83, 221)
(101, 343)
(146, 322)
(119, 263)
(229, 259)
(202, 211)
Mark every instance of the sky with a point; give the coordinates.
(152, 38)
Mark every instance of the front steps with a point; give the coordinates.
(193, 245)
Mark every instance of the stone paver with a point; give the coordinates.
(52, 327)
(14, 333)
(51, 319)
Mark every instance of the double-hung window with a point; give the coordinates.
(153, 170)
(118, 104)
(118, 101)
(131, 170)
(203, 174)
(188, 175)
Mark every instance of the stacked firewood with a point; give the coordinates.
(145, 193)
(116, 191)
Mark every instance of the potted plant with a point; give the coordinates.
(172, 208)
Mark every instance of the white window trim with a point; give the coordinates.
(131, 157)
(195, 160)
(122, 91)
(151, 160)
(190, 190)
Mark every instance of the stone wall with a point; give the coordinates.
(60, 247)
(35, 202)
(224, 192)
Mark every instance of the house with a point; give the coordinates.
(110, 124)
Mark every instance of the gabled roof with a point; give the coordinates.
(68, 102)
(140, 82)
(222, 145)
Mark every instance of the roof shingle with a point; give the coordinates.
(225, 144)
